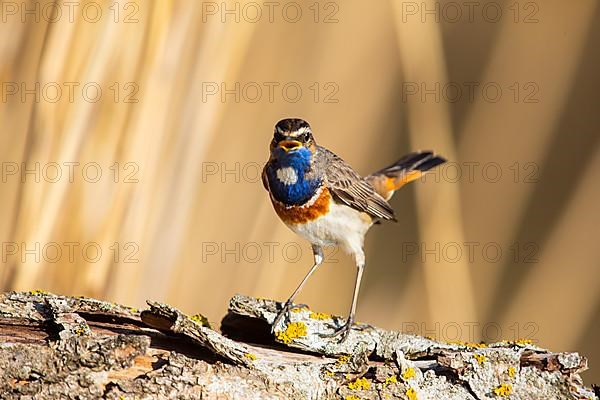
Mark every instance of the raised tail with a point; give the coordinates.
(410, 167)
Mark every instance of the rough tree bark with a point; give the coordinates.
(55, 347)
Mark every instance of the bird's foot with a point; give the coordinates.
(360, 326)
(284, 314)
(341, 333)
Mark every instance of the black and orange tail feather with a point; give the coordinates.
(408, 168)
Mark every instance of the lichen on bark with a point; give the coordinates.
(56, 347)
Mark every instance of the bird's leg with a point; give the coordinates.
(285, 311)
(344, 330)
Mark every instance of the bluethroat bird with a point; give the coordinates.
(321, 198)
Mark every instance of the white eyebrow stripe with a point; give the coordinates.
(302, 130)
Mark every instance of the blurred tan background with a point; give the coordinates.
(133, 134)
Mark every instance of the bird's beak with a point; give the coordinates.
(289, 145)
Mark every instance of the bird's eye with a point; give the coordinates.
(305, 137)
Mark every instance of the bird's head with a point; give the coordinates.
(292, 135)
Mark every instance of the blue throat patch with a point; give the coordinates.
(303, 189)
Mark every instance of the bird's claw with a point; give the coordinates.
(340, 333)
(283, 313)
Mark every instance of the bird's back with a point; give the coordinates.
(349, 188)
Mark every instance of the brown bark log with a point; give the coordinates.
(55, 347)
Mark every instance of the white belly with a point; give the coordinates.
(342, 226)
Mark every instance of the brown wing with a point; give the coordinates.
(351, 189)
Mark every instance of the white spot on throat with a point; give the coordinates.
(287, 175)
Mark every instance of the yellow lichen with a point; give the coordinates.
(80, 331)
(298, 309)
(293, 331)
(342, 360)
(329, 373)
(512, 372)
(200, 320)
(520, 342)
(360, 384)
(351, 397)
(38, 292)
(390, 379)
(503, 390)
(409, 373)
(318, 315)
(250, 356)
(480, 345)
(524, 342)
(480, 358)
(411, 394)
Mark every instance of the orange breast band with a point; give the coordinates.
(304, 213)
